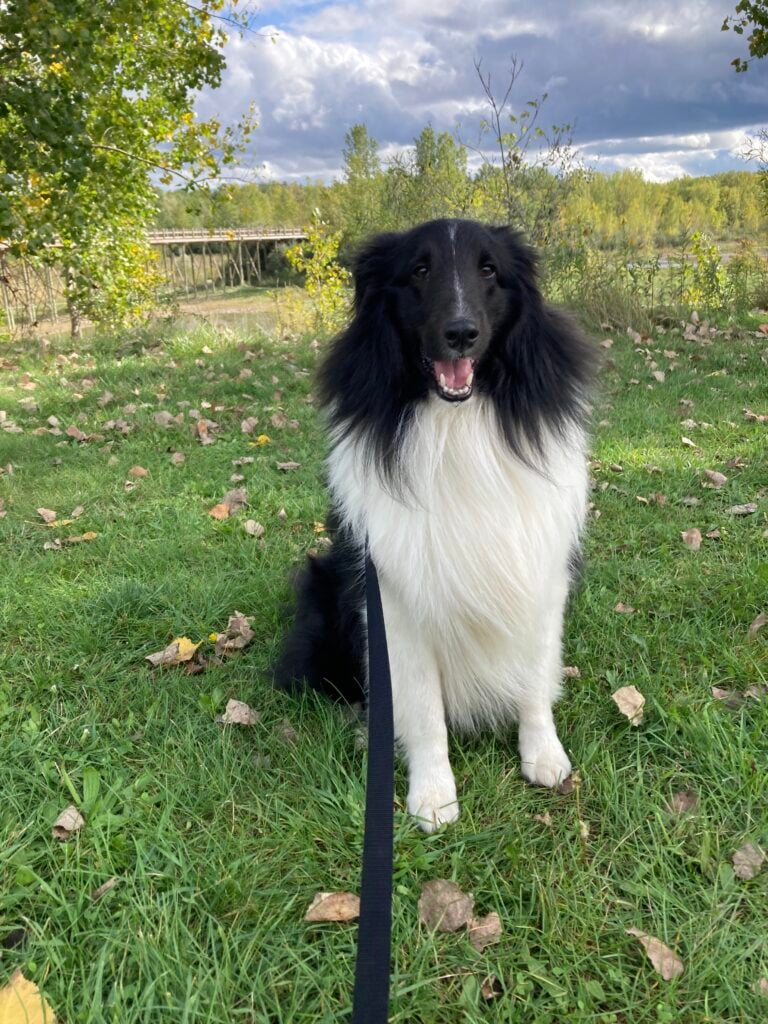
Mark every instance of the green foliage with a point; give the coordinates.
(753, 16)
(95, 96)
(326, 280)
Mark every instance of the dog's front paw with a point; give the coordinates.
(432, 800)
(543, 760)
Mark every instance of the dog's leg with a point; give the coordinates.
(419, 718)
(544, 762)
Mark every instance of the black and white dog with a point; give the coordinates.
(457, 403)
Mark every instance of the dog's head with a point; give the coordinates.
(449, 287)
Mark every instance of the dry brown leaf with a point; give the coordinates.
(690, 501)
(104, 888)
(713, 535)
(285, 466)
(76, 512)
(491, 988)
(757, 625)
(138, 472)
(333, 906)
(545, 818)
(692, 538)
(732, 698)
(624, 609)
(235, 499)
(571, 672)
(22, 1002)
(659, 375)
(52, 545)
(129, 485)
(253, 528)
(76, 433)
(179, 650)
(665, 961)
(630, 702)
(47, 515)
(178, 459)
(484, 930)
(238, 713)
(747, 861)
(742, 510)
(89, 535)
(249, 425)
(686, 801)
(688, 442)
(761, 986)
(68, 822)
(716, 480)
(287, 733)
(279, 419)
(442, 905)
(237, 634)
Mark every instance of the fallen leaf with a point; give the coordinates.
(249, 425)
(138, 472)
(747, 861)
(715, 479)
(178, 459)
(238, 713)
(690, 501)
(757, 625)
(442, 905)
(90, 535)
(713, 535)
(68, 822)
(76, 512)
(624, 609)
(52, 545)
(688, 442)
(261, 440)
(253, 528)
(237, 634)
(630, 702)
(692, 538)
(220, 511)
(129, 485)
(761, 986)
(247, 460)
(179, 650)
(279, 419)
(659, 375)
(104, 888)
(285, 466)
(76, 433)
(665, 961)
(545, 818)
(333, 906)
(683, 802)
(22, 1002)
(47, 515)
(166, 419)
(742, 510)
(104, 398)
(484, 930)
(491, 988)
(571, 672)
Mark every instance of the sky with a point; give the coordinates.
(645, 85)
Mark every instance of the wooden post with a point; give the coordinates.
(240, 262)
(184, 267)
(8, 306)
(192, 268)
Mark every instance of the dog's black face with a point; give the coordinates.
(453, 308)
(451, 286)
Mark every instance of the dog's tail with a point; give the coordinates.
(325, 647)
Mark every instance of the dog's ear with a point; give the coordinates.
(520, 265)
(373, 265)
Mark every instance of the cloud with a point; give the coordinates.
(650, 84)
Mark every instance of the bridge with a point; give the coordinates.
(212, 259)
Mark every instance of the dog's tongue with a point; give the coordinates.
(455, 372)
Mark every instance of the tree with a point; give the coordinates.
(750, 14)
(96, 101)
(362, 178)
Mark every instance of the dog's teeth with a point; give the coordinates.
(470, 378)
(442, 380)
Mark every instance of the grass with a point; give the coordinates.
(219, 838)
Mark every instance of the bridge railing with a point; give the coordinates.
(225, 234)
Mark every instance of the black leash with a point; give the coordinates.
(371, 998)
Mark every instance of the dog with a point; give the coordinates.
(457, 404)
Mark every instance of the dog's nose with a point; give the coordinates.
(461, 334)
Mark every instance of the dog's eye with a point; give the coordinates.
(487, 270)
(420, 272)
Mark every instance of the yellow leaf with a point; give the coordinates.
(179, 650)
(21, 1002)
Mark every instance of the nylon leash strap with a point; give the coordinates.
(371, 995)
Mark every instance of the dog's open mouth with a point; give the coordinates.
(454, 378)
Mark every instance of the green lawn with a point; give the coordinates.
(219, 837)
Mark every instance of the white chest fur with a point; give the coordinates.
(476, 547)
